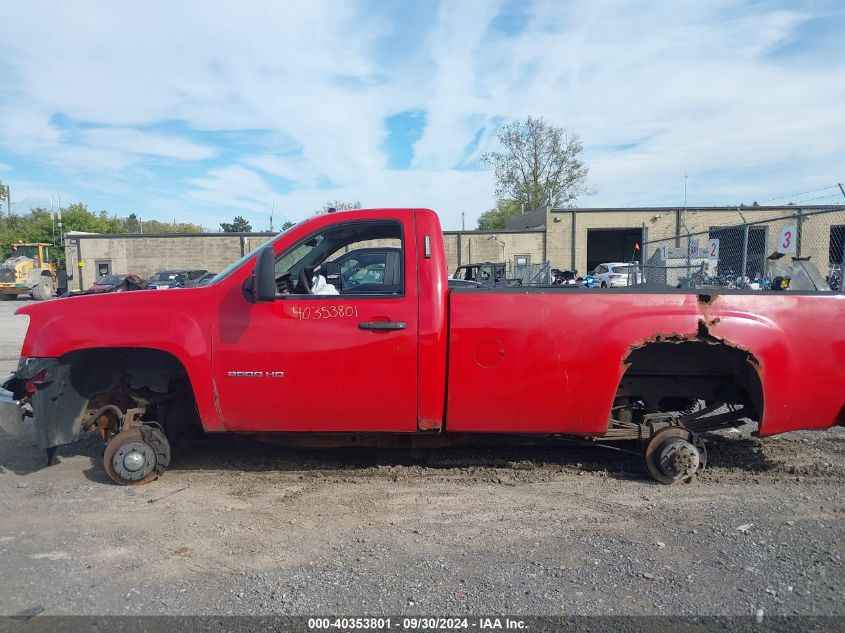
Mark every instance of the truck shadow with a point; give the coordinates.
(246, 454)
(23, 457)
(240, 453)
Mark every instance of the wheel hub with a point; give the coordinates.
(678, 459)
(674, 454)
(134, 460)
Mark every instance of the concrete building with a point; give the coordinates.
(89, 256)
(578, 239)
(583, 238)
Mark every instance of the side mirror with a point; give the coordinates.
(260, 287)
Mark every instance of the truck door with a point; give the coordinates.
(328, 362)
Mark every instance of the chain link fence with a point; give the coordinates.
(748, 255)
(532, 274)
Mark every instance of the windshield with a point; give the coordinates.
(109, 280)
(27, 251)
(624, 270)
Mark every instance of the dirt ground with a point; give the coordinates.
(239, 527)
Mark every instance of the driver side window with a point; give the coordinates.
(354, 258)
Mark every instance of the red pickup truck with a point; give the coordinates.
(306, 340)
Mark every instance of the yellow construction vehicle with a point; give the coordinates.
(31, 270)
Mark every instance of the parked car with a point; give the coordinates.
(173, 278)
(612, 275)
(109, 283)
(116, 283)
(200, 281)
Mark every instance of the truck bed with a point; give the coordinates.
(549, 360)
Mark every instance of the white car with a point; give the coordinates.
(614, 274)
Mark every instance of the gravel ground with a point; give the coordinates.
(239, 527)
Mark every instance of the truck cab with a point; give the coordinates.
(388, 312)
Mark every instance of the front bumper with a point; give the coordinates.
(11, 413)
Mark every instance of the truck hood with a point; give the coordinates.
(119, 319)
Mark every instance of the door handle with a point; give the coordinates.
(382, 325)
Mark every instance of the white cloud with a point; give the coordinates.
(131, 140)
(234, 187)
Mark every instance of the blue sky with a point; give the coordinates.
(199, 112)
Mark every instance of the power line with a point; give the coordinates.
(795, 195)
(833, 195)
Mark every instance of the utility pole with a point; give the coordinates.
(59, 218)
(744, 247)
(686, 228)
(842, 265)
(463, 219)
(53, 219)
(272, 208)
(8, 193)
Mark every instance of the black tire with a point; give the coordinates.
(44, 289)
(8, 297)
(603, 285)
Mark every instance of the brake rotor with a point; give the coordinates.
(158, 441)
(674, 454)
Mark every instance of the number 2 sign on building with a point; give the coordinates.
(787, 239)
(713, 248)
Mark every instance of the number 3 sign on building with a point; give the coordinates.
(787, 239)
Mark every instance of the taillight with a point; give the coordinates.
(614, 276)
(32, 384)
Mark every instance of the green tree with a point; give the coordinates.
(539, 166)
(132, 223)
(496, 217)
(287, 225)
(5, 194)
(154, 226)
(40, 225)
(340, 205)
(238, 225)
(77, 217)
